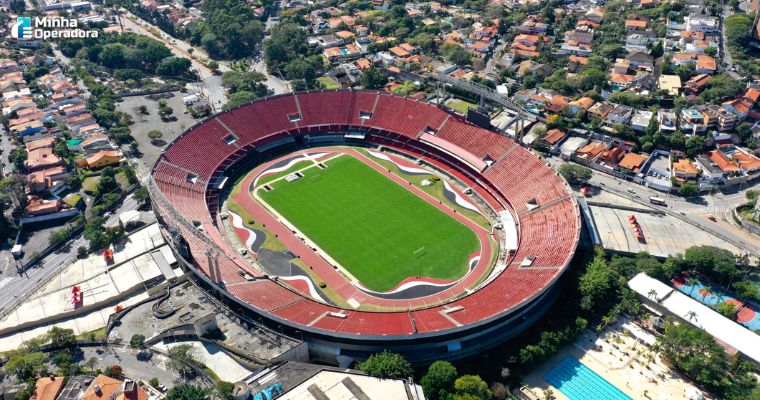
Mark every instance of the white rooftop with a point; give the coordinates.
(720, 327)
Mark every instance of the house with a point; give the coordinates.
(637, 42)
(692, 120)
(612, 155)
(600, 110)
(48, 388)
(41, 156)
(46, 179)
(539, 71)
(583, 103)
(706, 64)
(557, 103)
(684, 169)
(752, 94)
(580, 35)
(641, 60)
(621, 66)
(668, 122)
(553, 137)
(96, 143)
(718, 117)
(643, 83)
(533, 26)
(669, 83)
(739, 107)
(635, 24)
(590, 151)
(641, 119)
(621, 115)
(102, 158)
(748, 162)
(702, 23)
(631, 163)
(105, 388)
(696, 84)
(620, 81)
(724, 163)
(28, 128)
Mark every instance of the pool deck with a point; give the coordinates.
(620, 359)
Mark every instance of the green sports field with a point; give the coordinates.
(378, 230)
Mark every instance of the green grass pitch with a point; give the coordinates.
(377, 229)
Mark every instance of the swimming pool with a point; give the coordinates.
(578, 382)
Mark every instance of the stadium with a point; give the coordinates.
(361, 221)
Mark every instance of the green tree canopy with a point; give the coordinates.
(386, 365)
(438, 382)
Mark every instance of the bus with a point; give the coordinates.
(657, 200)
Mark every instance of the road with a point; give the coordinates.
(277, 85)
(14, 288)
(696, 213)
(724, 53)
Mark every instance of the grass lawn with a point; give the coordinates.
(459, 105)
(90, 184)
(72, 199)
(327, 83)
(379, 231)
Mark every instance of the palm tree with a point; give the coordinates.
(180, 359)
(691, 315)
(652, 294)
(706, 290)
(691, 282)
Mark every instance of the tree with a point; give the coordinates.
(688, 189)
(597, 283)
(137, 341)
(471, 387)
(694, 146)
(142, 195)
(694, 352)
(373, 78)
(239, 98)
(187, 392)
(499, 391)
(386, 365)
(575, 174)
(213, 65)
(154, 382)
(61, 337)
(155, 134)
(438, 382)
(180, 358)
(173, 66)
(96, 234)
(26, 364)
(457, 55)
(727, 310)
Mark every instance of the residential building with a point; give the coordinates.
(702, 23)
(583, 103)
(590, 151)
(641, 119)
(105, 388)
(641, 61)
(684, 170)
(670, 83)
(48, 388)
(696, 84)
(739, 107)
(631, 163)
(668, 122)
(600, 110)
(101, 159)
(621, 115)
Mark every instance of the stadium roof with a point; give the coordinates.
(720, 327)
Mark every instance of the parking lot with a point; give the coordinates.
(146, 123)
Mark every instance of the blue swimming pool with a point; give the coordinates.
(578, 382)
